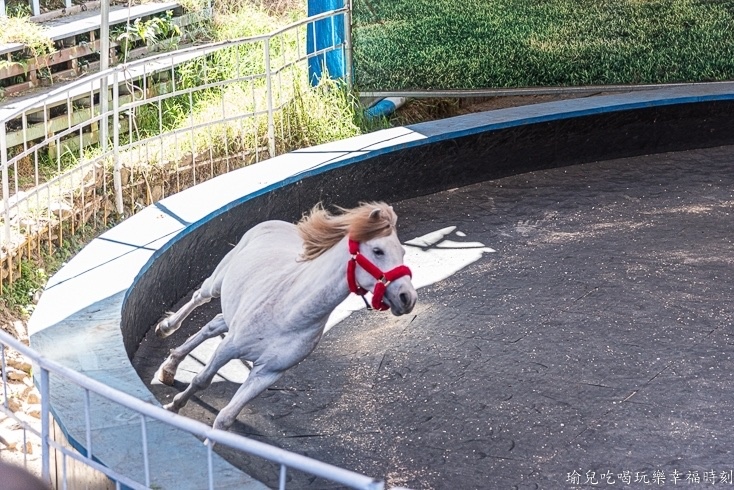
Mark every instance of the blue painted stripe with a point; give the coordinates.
(436, 131)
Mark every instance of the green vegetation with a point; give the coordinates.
(304, 116)
(326, 113)
(19, 297)
(20, 29)
(151, 31)
(321, 115)
(429, 44)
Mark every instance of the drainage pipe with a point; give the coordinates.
(384, 107)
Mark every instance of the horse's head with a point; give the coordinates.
(380, 269)
(387, 254)
(377, 256)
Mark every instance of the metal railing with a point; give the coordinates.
(33, 5)
(86, 151)
(116, 141)
(45, 369)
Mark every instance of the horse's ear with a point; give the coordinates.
(375, 214)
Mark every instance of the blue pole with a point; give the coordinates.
(321, 35)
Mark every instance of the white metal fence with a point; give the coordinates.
(46, 369)
(88, 150)
(113, 142)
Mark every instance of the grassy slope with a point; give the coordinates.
(402, 44)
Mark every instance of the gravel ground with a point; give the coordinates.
(596, 340)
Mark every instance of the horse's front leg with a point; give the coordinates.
(167, 372)
(209, 289)
(257, 382)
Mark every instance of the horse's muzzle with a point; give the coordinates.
(403, 299)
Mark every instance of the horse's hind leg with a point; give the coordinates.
(224, 352)
(167, 372)
(257, 382)
(211, 288)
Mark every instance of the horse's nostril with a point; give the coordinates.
(404, 299)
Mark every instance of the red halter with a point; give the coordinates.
(383, 278)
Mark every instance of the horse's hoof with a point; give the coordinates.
(162, 330)
(221, 424)
(166, 377)
(170, 407)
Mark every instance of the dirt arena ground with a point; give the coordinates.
(584, 336)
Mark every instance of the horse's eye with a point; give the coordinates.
(378, 252)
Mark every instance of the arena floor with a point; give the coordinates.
(574, 327)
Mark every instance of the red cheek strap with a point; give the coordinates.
(383, 278)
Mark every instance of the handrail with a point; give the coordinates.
(209, 435)
(216, 46)
(70, 126)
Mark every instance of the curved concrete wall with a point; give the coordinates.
(97, 309)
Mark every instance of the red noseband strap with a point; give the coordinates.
(383, 278)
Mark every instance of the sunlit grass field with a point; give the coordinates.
(430, 44)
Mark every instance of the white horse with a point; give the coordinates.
(278, 287)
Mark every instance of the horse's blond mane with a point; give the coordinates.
(320, 229)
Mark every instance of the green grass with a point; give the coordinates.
(325, 114)
(18, 296)
(429, 44)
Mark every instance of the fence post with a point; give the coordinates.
(5, 186)
(116, 175)
(45, 427)
(347, 43)
(104, 120)
(269, 91)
